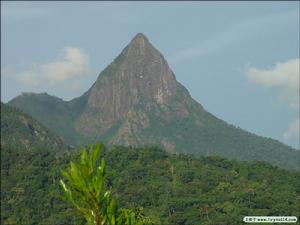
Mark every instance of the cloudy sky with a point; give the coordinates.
(240, 60)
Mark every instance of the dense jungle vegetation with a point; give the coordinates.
(172, 189)
(175, 189)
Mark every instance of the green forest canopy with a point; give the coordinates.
(172, 189)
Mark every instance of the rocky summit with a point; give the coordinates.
(137, 101)
(137, 86)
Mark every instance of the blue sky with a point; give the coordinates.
(240, 60)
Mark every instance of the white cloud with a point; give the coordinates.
(292, 131)
(73, 63)
(285, 76)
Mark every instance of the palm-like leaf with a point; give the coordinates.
(84, 188)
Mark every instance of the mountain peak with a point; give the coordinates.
(140, 36)
(137, 101)
(139, 45)
(139, 39)
(138, 77)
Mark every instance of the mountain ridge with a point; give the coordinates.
(19, 130)
(136, 101)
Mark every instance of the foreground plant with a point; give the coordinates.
(85, 190)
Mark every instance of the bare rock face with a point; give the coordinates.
(138, 76)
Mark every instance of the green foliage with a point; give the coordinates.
(181, 189)
(85, 189)
(29, 187)
(171, 189)
(54, 113)
(22, 131)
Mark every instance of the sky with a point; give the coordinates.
(240, 60)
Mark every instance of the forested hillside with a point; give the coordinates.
(19, 130)
(172, 189)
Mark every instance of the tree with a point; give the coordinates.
(85, 189)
